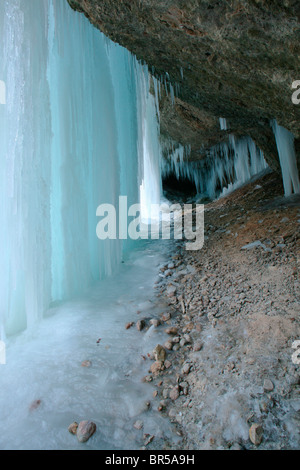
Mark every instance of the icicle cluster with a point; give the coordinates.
(226, 167)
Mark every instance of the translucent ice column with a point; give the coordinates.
(78, 129)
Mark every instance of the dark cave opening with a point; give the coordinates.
(182, 188)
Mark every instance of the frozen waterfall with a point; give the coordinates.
(75, 133)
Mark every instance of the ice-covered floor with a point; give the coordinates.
(44, 364)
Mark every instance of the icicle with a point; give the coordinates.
(157, 97)
(223, 124)
(172, 94)
(287, 157)
(149, 149)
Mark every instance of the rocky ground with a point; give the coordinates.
(232, 318)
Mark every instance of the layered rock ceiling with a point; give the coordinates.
(231, 59)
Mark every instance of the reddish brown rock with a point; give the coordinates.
(73, 428)
(85, 430)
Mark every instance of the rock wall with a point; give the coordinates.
(232, 59)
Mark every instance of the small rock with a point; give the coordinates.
(159, 353)
(172, 331)
(186, 369)
(198, 346)
(129, 325)
(140, 325)
(167, 364)
(172, 413)
(187, 338)
(138, 424)
(148, 439)
(147, 378)
(85, 430)
(268, 385)
(189, 327)
(162, 405)
(168, 345)
(156, 367)
(184, 386)
(171, 291)
(166, 317)
(86, 364)
(174, 393)
(73, 428)
(256, 434)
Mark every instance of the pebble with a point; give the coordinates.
(148, 439)
(156, 367)
(184, 386)
(171, 291)
(189, 327)
(198, 346)
(73, 428)
(168, 345)
(268, 385)
(85, 430)
(138, 425)
(174, 393)
(256, 434)
(187, 338)
(141, 325)
(166, 317)
(159, 353)
(186, 369)
(147, 378)
(172, 331)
